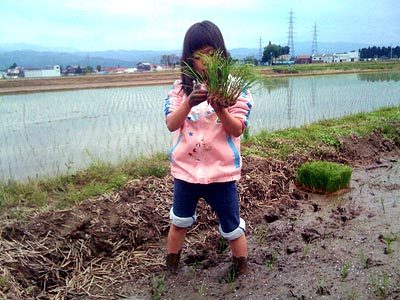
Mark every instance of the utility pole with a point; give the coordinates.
(290, 34)
(260, 53)
(314, 42)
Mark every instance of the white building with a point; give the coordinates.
(336, 57)
(346, 57)
(322, 58)
(54, 71)
(14, 72)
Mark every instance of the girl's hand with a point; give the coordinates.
(197, 96)
(214, 103)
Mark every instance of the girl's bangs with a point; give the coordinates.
(200, 40)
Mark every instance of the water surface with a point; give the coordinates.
(57, 132)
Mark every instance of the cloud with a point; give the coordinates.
(155, 24)
(154, 7)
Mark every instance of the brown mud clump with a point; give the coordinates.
(301, 245)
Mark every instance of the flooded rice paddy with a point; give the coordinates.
(58, 132)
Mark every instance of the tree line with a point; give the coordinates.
(170, 60)
(270, 52)
(380, 52)
(274, 51)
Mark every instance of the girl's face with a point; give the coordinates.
(197, 62)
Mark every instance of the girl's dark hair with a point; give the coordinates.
(198, 36)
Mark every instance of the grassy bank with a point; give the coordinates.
(324, 134)
(19, 199)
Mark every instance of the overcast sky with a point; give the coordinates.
(160, 25)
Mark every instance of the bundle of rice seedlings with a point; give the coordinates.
(323, 176)
(223, 78)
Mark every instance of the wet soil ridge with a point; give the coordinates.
(27, 85)
(102, 244)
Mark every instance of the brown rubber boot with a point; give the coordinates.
(238, 267)
(172, 262)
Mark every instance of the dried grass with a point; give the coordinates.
(93, 249)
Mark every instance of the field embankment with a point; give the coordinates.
(31, 85)
(28, 85)
(331, 68)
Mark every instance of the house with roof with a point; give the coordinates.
(143, 66)
(346, 57)
(72, 70)
(303, 59)
(336, 57)
(14, 72)
(322, 58)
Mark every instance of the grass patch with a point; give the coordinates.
(380, 285)
(4, 284)
(323, 176)
(158, 287)
(222, 245)
(323, 135)
(17, 199)
(344, 272)
(271, 261)
(363, 259)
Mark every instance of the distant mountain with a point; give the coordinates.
(31, 56)
(134, 56)
(36, 59)
(240, 53)
(24, 46)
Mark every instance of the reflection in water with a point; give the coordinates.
(313, 86)
(289, 102)
(274, 84)
(302, 100)
(373, 77)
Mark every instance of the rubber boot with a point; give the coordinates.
(172, 262)
(238, 267)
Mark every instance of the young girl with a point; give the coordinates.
(205, 156)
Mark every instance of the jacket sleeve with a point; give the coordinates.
(173, 99)
(242, 107)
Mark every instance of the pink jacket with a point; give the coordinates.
(202, 151)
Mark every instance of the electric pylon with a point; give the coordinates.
(314, 49)
(260, 52)
(290, 34)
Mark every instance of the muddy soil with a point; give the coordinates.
(343, 246)
(301, 245)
